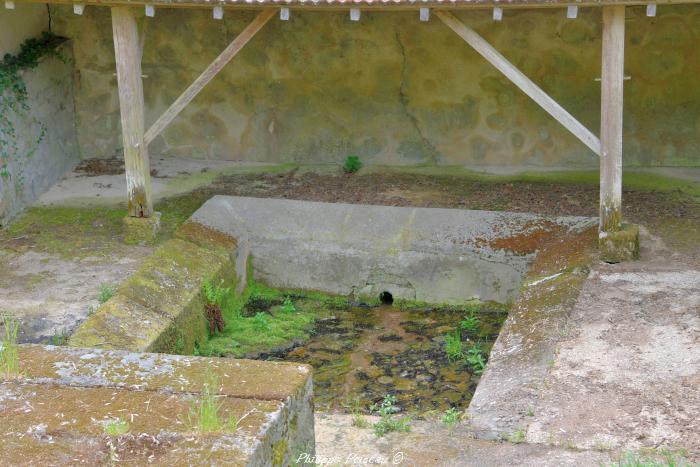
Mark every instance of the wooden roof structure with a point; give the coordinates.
(362, 4)
(136, 135)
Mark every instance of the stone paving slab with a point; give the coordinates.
(160, 372)
(56, 411)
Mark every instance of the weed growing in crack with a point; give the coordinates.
(204, 416)
(9, 354)
(451, 417)
(387, 422)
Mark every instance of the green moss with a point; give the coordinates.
(68, 232)
(631, 179)
(243, 335)
(279, 452)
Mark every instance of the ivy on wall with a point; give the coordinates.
(13, 91)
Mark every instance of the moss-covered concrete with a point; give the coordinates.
(160, 308)
(525, 348)
(141, 230)
(58, 412)
(392, 89)
(620, 245)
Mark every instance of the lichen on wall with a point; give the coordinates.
(392, 89)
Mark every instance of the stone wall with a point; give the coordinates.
(25, 21)
(45, 145)
(394, 90)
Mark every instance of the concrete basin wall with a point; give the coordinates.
(425, 254)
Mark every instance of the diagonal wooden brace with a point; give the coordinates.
(208, 74)
(525, 84)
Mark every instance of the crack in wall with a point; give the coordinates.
(429, 148)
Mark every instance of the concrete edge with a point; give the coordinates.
(524, 351)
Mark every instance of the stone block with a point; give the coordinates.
(75, 393)
(141, 230)
(619, 246)
(159, 308)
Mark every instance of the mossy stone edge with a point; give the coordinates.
(160, 308)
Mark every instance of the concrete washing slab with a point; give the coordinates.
(424, 254)
(56, 412)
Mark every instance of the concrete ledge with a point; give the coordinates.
(425, 254)
(623, 245)
(160, 308)
(524, 351)
(56, 412)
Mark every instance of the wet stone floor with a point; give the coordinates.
(362, 353)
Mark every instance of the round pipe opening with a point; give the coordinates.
(386, 298)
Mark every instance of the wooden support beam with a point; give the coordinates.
(128, 57)
(612, 79)
(520, 80)
(208, 74)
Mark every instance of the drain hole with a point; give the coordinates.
(386, 298)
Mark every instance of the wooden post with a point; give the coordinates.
(612, 79)
(128, 57)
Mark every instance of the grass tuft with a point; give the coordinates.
(204, 416)
(9, 354)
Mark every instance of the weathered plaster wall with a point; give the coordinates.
(45, 144)
(25, 21)
(394, 90)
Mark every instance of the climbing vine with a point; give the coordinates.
(13, 91)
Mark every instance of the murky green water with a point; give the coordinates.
(361, 354)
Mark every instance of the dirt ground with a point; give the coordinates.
(625, 377)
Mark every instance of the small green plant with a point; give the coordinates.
(261, 322)
(9, 354)
(475, 358)
(59, 337)
(105, 293)
(451, 417)
(288, 305)
(516, 437)
(387, 422)
(204, 416)
(470, 322)
(214, 298)
(530, 412)
(353, 405)
(213, 294)
(352, 164)
(453, 346)
(118, 427)
(654, 458)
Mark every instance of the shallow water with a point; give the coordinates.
(361, 354)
